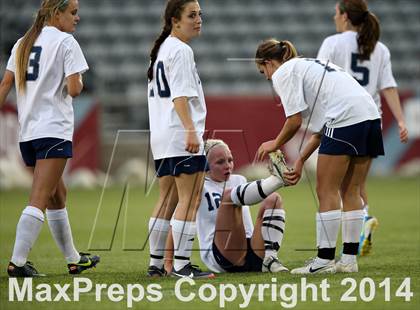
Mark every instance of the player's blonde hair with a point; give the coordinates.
(273, 49)
(45, 13)
(368, 29)
(212, 143)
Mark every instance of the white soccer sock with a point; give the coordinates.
(365, 207)
(158, 232)
(348, 259)
(366, 210)
(352, 226)
(256, 191)
(58, 221)
(327, 226)
(272, 230)
(27, 231)
(183, 233)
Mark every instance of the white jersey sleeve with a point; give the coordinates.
(326, 51)
(181, 79)
(11, 64)
(386, 79)
(74, 60)
(289, 86)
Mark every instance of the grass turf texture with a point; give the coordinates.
(395, 202)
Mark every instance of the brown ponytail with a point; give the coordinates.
(369, 33)
(45, 13)
(367, 23)
(173, 9)
(273, 49)
(153, 54)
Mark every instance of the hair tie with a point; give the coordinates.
(365, 14)
(282, 49)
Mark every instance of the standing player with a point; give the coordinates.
(356, 49)
(336, 105)
(47, 65)
(177, 114)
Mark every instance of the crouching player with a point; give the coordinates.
(228, 240)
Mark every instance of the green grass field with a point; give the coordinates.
(395, 202)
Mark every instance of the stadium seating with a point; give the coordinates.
(116, 37)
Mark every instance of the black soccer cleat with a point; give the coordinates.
(192, 271)
(26, 271)
(85, 262)
(156, 272)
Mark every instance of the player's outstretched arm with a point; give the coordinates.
(290, 127)
(6, 85)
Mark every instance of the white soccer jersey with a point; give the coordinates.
(341, 100)
(374, 74)
(45, 109)
(207, 214)
(174, 75)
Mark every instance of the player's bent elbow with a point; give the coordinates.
(74, 85)
(74, 93)
(74, 89)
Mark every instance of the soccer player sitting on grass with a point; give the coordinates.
(228, 240)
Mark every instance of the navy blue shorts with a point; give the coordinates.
(174, 166)
(361, 139)
(253, 263)
(45, 148)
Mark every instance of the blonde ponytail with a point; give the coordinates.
(45, 13)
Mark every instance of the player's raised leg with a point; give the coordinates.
(229, 237)
(254, 192)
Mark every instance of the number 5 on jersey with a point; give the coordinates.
(356, 68)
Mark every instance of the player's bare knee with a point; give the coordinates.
(273, 201)
(324, 193)
(226, 199)
(226, 195)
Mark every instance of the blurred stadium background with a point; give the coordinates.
(116, 37)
